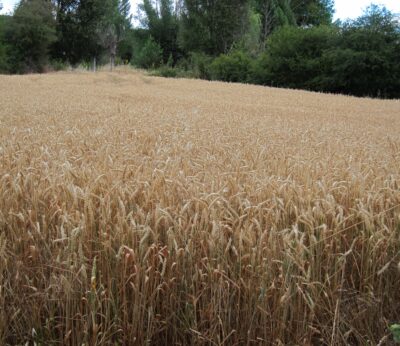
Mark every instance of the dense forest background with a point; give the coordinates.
(284, 43)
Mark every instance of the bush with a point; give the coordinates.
(150, 56)
(200, 65)
(58, 65)
(3, 59)
(166, 71)
(358, 58)
(233, 67)
(4, 21)
(29, 35)
(293, 57)
(364, 59)
(172, 72)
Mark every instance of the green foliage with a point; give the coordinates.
(116, 16)
(150, 56)
(3, 59)
(232, 67)
(78, 23)
(395, 329)
(135, 40)
(199, 64)
(166, 71)
(213, 27)
(162, 24)
(113, 26)
(360, 58)
(287, 43)
(250, 41)
(29, 35)
(126, 48)
(195, 65)
(273, 15)
(313, 12)
(68, 46)
(87, 28)
(58, 65)
(4, 20)
(293, 57)
(363, 60)
(172, 72)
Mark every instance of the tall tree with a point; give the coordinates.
(213, 26)
(161, 19)
(313, 12)
(4, 22)
(90, 14)
(66, 47)
(364, 59)
(30, 34)
(114, 26)
(85, 28)
(274, 14)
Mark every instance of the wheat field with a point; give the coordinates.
(137, 210)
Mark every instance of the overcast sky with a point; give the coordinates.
(344, 8)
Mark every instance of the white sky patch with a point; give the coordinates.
(354, 8)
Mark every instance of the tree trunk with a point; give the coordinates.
(112, 62)
(113, 52)
(266, 25)
(94, 64)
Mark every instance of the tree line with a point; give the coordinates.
(43, 34)
(284, 43)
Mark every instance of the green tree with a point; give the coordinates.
(233, 67)
(4, 22)
(313, 12)
(250, 41)
(293, 57)
(113, 26)
(30, 34)
(87, 28)
(69, 43)
(150, 55)
(359, 58)
(363, 60)
(135, 41)
(89, 16)
(213, 27)
(162, 22)
(127, 46)
(274, 14)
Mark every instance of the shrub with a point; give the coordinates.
(3, 59)
(150, 56)
(363, 60)
(29, 34)
(172, 72)
(359, 57)
(58, 65)
(293, 57)
(166, 71)
(199, 65)
(4, 21)
(395, 329)
(233, 67)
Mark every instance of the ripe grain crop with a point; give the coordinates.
(139, 210)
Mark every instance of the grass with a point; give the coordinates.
(142, 210)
